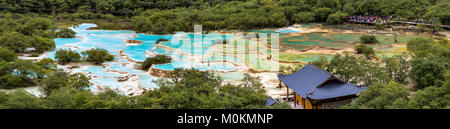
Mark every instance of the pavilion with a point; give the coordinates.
(315, 88)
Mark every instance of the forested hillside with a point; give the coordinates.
(167, 16)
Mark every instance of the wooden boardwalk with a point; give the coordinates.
(399, 22)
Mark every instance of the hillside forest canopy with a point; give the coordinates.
(169, 16)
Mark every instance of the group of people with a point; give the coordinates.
(379, 19)
(370, 19)
(420, 20)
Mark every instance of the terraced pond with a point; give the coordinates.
(192, 51)
(201, 52)
(389, 44)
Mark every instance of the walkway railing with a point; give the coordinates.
(396, 22)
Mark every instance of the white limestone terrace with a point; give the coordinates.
(121, 74)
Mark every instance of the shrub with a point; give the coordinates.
(382, 96)
(321, 14)
(161, 40)
(98, 55)
(65, 33)
(158, 59)
(368, 39)
(427, 72)
(41, 44)
(47, 63)
(7, 55)
(337, 18)
(304, 17)
(364, 49)
(11, 81)
(65, 56)
(16, 42)
(379, 26)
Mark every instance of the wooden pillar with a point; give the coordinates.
(295, 99)
(313, 104)
(279, 84)
(303, 103)
(287, 94)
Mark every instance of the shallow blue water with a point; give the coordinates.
(287, 31)
(144, 78)
(114, 42)
(108, 82)
(100, 71)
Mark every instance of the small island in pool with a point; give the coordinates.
(299, 44)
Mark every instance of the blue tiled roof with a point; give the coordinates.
(334, 89)
(305, 80)
(270, 101)
(315, 83)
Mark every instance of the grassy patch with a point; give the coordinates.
(302, 57)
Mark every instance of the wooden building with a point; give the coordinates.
(315, 88)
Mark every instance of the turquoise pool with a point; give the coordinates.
(115, 41)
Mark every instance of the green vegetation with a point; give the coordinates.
(47, 64)
(430, 61)
(158, 59)
(65, 33)
(397, 67)
(97, 55)
(192, 89)
(368, 39)
(20, 73)
(425, 68)
(59, 79)
(161, 40)
(94, 55)
(66, 56)
(41, 44)
(169, 16)
(427, 73)
(383, 96)
(19, 100)
(7, 55)
(395, 96)
(321, 63)
(380, 26)
(428, 70)
(357, 70)
(304, 17)
(26, 34)
(183, 89)
(337, 18)
(430, 98)
(366, 50)
(290, 69)
(227, 16)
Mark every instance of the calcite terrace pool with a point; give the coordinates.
(199, 51)
(297, 44)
